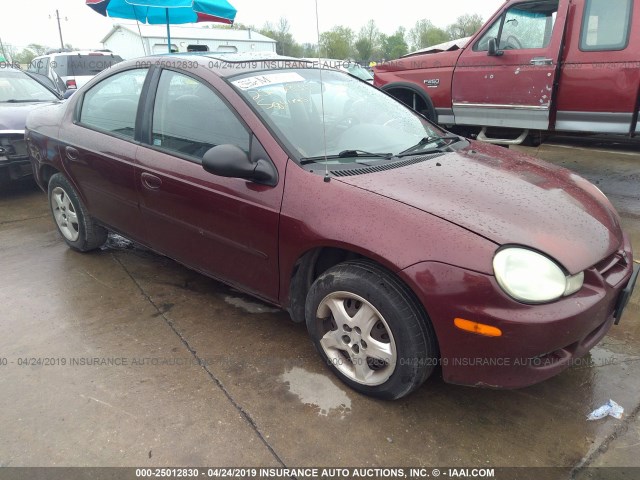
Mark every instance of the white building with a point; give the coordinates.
(129, 42)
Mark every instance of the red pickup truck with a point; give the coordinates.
(536, 66)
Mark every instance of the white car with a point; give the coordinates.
(71, 70)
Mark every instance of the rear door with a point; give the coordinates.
(600, 86)
(100, 150)
(512, 87)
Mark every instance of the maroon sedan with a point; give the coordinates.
(401, 246)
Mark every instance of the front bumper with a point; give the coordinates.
(14, 161)
(537, 342)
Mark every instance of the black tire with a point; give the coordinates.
(406, 95)
(358, 285)
(72, 219)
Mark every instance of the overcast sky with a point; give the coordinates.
(27, 21)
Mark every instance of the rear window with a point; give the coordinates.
(83, 65)
(605, 25)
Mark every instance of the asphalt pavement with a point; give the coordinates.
(142, 362)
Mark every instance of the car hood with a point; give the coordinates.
(508, 198)
(415, 61)
(14, 115)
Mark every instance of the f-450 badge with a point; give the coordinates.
(432, 82)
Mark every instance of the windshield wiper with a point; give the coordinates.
(426, 141)
(362, 153)
(345, 154)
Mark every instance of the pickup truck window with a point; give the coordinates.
(525, 25)
(605, 25)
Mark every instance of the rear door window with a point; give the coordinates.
(606, 25)
(112, 104)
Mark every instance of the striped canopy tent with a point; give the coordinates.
(166, 11)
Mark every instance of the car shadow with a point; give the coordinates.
(17, 188)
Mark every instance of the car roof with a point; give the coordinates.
(231, 64)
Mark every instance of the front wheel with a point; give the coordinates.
(370, 330)
(74, 223)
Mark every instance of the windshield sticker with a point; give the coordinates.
(268, 79)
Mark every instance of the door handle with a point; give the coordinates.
(541, 61)
(71, 153)
(151, 181)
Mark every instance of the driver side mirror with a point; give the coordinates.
(231, 161)
(68, 93)
(493, 48)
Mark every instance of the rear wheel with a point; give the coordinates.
(370, 331)
(74, 223)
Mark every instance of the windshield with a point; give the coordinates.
(18, 87)
(357, 116)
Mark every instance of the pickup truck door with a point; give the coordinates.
(512, 85)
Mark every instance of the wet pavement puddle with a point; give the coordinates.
(318, 390)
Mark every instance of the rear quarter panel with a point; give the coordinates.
(42, 133)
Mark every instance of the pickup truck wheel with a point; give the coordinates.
(414, 100)
(74, 223)
(370, 331)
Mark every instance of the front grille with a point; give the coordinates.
(613, 268)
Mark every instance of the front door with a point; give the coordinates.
(224, 227)
(513, 85)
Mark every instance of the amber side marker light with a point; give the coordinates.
(479, 328)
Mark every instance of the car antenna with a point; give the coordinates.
(327, 178)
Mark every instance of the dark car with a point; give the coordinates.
(19, 94)
(401, 246)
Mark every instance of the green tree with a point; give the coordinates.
(424, 34)
(309, 50)
(337, 43)
(368, 41)
(24, 57)
(465, 26)
(10, 52)
(394, 46)
(280, 33)
(37, 49)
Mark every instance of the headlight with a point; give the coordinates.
(531, 277)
